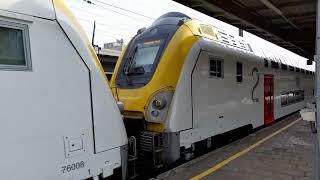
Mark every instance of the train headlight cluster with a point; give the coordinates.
(159, 106)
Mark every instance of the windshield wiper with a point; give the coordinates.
(139, 70)
(129, 62)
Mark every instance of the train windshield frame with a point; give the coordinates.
(141, 60)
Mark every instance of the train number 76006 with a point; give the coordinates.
(72, 167)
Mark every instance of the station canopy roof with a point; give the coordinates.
(290, 24)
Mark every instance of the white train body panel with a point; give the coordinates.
(205, 106)
(59, 119)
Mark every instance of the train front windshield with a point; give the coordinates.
(144, 53)
(140, 61)
(144, 59)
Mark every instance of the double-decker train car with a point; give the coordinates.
(183, 82)
(59, 119)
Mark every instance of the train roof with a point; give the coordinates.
(37, 8)
(239, 43)
(229, 41)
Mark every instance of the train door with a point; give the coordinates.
(205, 94)
(268, 99)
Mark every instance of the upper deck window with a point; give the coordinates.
(274, 65)
(14, 46)
(291, 68)
(216, 67)
(284, 67)
(266, 63)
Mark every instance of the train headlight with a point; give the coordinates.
(159, 106)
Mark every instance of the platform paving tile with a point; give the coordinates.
(286, 156)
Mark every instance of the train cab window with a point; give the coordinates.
(14, 47)
(239, 72)
(291, 68)
(216, 67)
(145, 57)
(284, 67)
(266, 63)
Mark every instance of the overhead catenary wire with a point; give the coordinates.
(112, 36)
(138, 19)
(97, 17)
(96, 14)
(123, 9)
(101, 27)
(110, 33)
(104, 24)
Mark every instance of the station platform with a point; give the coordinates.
(282, 151)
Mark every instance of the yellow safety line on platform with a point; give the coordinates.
(241, 153)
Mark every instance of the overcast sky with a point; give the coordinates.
(121, 19)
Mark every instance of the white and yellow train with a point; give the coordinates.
(59, 119)
(182, 82)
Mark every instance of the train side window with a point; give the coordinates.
(298, 69)
(288, 98)
(14, 47)
(302, 71)
(274, 65)
(216, 67)
(239, 72)
(291, 98)
(284, 99)
(284, 67)
(296, 96)
(291, 68)
(300, 96)
(266, 63)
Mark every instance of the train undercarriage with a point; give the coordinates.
(151, 152)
